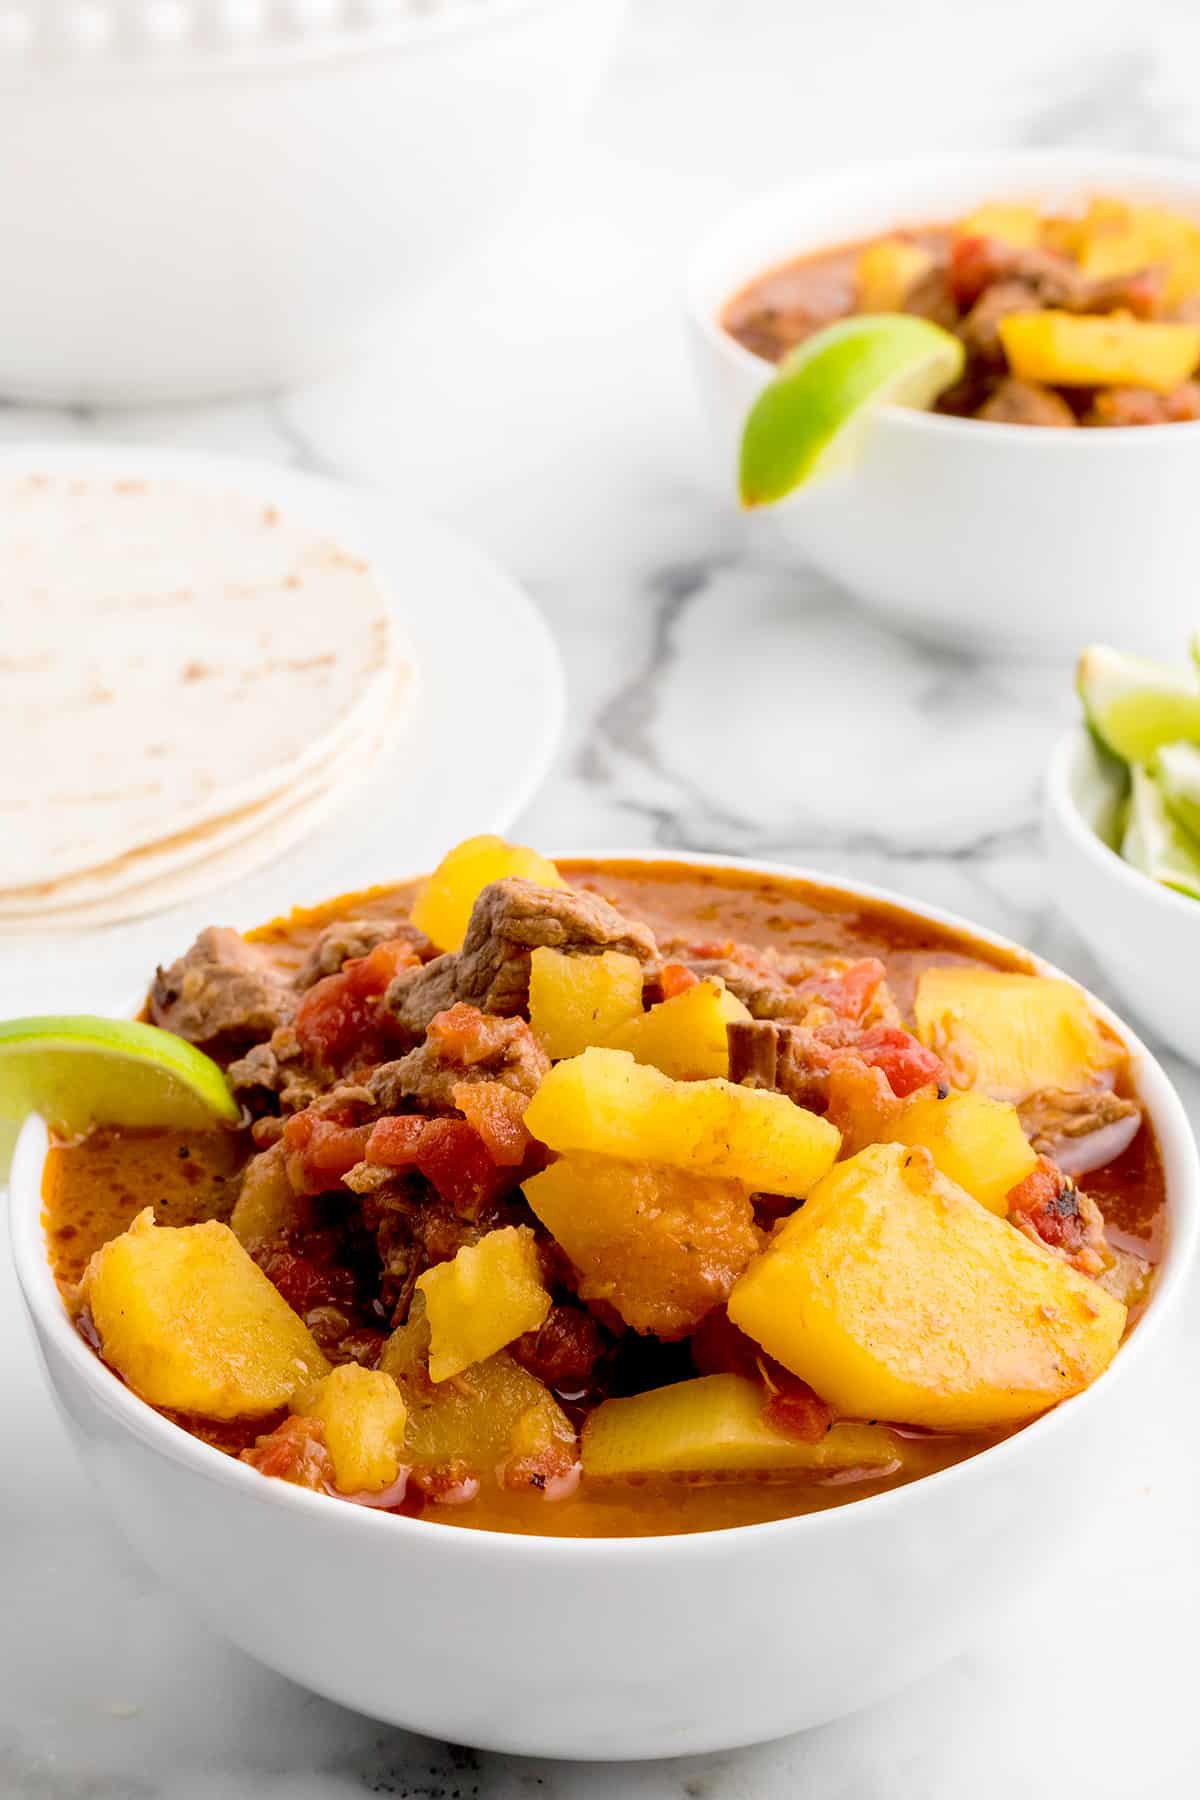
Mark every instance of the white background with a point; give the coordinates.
(541, 403)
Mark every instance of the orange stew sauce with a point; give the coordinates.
(94, 1188)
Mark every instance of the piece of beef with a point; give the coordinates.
(1140, 406)
(930, 297)
(979, 331)
(462, 1044)
(347, 939)
(565, 1349)
(1014, 402)
(510, 920)
(275, 1075)
(223, 993)
(1080, 1131)
(414, 1229)
(797, 1060)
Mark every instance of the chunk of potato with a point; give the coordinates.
(1101, 350)
(975, 1142)
(715, 1425)
(606, 1102)
(661, 1246)
(191, 1323)
(490, 1413)
(487, 1295)
(1011, 223)
(897, 1296)
(443, 907)
(575, 1001)
(886, 271)
(686, 1037)
(1008, 1035)
(364, 1417)
(267, 1205)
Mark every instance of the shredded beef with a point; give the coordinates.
(462, 1044)
(1014, 402)
(414, 1229)
(511, 919)
(347, 939)
(564, 1351)
(222, 993)
(1080, 1131)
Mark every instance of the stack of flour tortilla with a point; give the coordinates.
(189, 682)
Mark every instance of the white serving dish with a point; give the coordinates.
(623, 1648)
(996, 538)
(1146, 935)
(204, 198)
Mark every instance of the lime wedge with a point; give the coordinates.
(803, 423)
(1176, 768)
(85, 1071)
(1156, 843)
(1135, 706)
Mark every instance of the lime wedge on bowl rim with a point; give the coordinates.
(1135, 706)
(804, 422)
(83, 1071)
(1176, 768)
(1156, 843)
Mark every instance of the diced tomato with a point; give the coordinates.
(455, 1159)
(394, 1142)
(1049, 1207)
(907, 1064)
(851, 992)
(448, 1152)
(795, 1410)
(975, 263)
(307, 1281)
(319, 1150)
(295, 1451)
(463, 1034)
(339, 1021)
(861, 1103)
(676, 978)
(497, 1113)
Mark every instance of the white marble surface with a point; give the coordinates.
(719, 704)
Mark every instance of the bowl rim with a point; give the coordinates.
(106, 1390)
(855, 180)
(1061, 806)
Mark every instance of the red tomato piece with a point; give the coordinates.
(497, 1113)
(455, 1159)
(318, 1151)
(676, 978)
(907, 1064)
(394, 1142)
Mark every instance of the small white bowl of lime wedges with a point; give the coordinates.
(1122, 824)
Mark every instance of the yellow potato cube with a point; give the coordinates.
(191, 1323)
(899, 1297)
(1011, 223)
(887, 271)
(975, 1142)
(1102, 350)
(364, 1418)
(661, 1246)
(443, 907)
(487, 1295)
(1009, 1035)
(715, 1425)
(686, 1036)
(494, 1410)
(575, 1001)
(606, 1102)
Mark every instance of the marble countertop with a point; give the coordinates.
(718, 703)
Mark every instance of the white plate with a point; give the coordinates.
(482, 655)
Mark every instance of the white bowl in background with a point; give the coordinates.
(996, 538)
(609, 1648)
(206, 198)
(1146, 935)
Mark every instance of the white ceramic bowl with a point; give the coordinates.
(202, 197)
(1146, 935)
(607, 1648)
(999, 538)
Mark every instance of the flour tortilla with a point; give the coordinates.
(130, 879)
(170, 657)
(234, 862)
